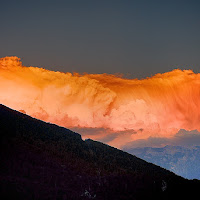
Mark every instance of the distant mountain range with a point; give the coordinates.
(184, 161)
(39, 160)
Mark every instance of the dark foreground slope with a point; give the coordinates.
(44, 161)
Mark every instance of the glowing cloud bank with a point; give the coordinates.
(117, 109)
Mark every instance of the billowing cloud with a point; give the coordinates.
(115, 109)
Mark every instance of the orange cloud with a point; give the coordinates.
(159, 106)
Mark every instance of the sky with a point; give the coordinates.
(135, 38)
(112, 46)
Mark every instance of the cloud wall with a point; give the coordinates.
(115, 109)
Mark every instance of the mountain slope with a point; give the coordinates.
(45, 161)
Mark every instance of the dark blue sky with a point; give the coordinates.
(136, 38)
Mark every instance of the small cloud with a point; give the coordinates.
(109, 138)
(141, 130)
(22, 111)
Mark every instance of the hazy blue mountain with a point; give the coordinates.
(184, 161)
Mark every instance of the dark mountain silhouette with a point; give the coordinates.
(39, 160)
